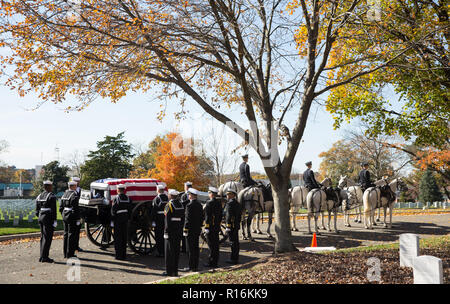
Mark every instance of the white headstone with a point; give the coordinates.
(409, 248)
(6, 218)
(16, 222)
(30, 218)
(428, 270)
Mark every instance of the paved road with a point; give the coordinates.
(19, 260)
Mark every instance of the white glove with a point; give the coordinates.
(78, 223)
(112, 224)
(153, 224)
(206, 231)
(185, 234)
(227, 230)
(54, 224)
(166, 236)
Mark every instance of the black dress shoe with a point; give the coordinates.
(232, 262)
(40, 259)
(47, 260)
(186, 269)
(210, 265)
(80, 250)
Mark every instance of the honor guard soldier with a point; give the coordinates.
(244, 173)
(309, 178)
(364, 177)
(120, 214)
(46, 213)
(233, 219)
(77, 234)
(185, 200)
(192, 228)
(213, 218)
(71, 218)
(157, 218)
(173, 230)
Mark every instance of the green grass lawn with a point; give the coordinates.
(25, 226)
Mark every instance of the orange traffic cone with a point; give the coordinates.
(314, 240)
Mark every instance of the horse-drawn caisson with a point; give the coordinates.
(95, 209)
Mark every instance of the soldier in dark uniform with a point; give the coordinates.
(77, 234)
(185, 200)
(157, 218)
(213, 218)
(309, 178)
(46, 213)
(71, 217)
(192, 228)
(173, 230)
(120, 214)
(364, 177)
(233, 219)
(244, 173)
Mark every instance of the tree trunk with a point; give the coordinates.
(284, 242)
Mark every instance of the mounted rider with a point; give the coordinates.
(244, 173)
(364, 177)
(309, 178)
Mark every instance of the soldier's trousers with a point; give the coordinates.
(213, 243)
(77, 236)
(193, 250)
(46, 239)
(172, 254)
(120, 239)
(159, 238)
(234, 239)
(70, 230)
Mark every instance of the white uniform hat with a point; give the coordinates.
(231, 190)
(72, 183)
(47, 182)
(76, 179)
(193, 191)
(121, 186)
(173, 192)
(188, 183)
(160, 187)
(213, 189)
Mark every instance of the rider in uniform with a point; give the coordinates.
(173, 230)
(233, 219)
(213, 218)
(364, 177)
(244, 173)
(46, 212)
(120, 214)
(192, 228)
(70, 212)
(309, 178)
(157, 218)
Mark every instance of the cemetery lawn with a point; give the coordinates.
(25, 226)
(344, 266)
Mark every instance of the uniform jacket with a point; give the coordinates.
(157, 213)
(174, 219)
(70, 200)
(233, 214)
(121, 208)
(213, 214)
(364, 178)
(46, 200)
(309, 179)
(193, 221)
(244, 174)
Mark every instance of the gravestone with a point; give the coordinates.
(409, 249)
(428, 270)
(15, 222)
(30, 218)
(6, 218)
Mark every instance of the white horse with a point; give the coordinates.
(317, 202)
(297, 201)
(267, 206)
(349, 185)
(383, 195)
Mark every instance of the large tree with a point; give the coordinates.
(428, 188)
(220, 54)
(55, 172)
(111, 159)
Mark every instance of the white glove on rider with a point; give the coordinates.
(153, 224)
(185, 234)
(206, 231)
(78, 223)
(112, 224)
(227, 230)
(166, 236)
(54, 224)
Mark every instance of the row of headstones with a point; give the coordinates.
(427, 269)
(443, 205)
(11, 216)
